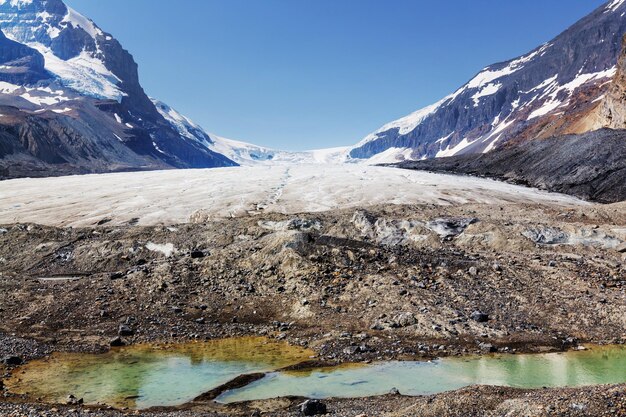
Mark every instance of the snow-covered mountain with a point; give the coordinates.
(246, 154)
(559, 88)
(71, 100)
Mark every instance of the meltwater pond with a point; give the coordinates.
(144, 376)
(167, 375)
(600, 365)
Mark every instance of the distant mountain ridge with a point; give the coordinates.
(559, 88)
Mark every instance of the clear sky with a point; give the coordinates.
(306, 74)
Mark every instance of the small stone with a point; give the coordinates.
(552, 264)
(313, 408)
(72, 400)
(487, 347)
(496, 267)
(377, 326)
(197, 254)
(13, 361)
(117, 342)
(473, 271)
(404, 320)
(394, 391)
(125, 330)
(351, 350)
(200, 320)
(116, 275)
(480, 317)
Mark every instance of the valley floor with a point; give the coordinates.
(307, 259)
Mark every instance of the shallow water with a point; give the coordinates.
(600, 365)
(151, 375)
(167, 375)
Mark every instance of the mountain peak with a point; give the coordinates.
(552, 90)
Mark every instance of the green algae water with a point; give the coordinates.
(145, 376)
(600, 365)
(140, 377)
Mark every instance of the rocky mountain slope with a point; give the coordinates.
(591, 166)
(568, 85)
(71, 100)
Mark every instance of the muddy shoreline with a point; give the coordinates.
(386, 283)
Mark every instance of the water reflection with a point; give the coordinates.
(601, 365)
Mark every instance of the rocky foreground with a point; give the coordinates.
(398, 282)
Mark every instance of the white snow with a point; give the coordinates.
(86, 72)
(166, 249)
(406, 124)
(391, 155)
(83, 73)
(246, 154)
(552, 90)
(171, 197)
(78, 20)
(455, 149)
(17, 3)
(487, 90)
(65, 110)
(7, 88)
(614, 5)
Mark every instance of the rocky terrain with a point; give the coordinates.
(395, 282)
(591, 166)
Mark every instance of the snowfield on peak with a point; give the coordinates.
(30, 23)
(175, 196)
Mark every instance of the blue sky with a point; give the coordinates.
(306, 74)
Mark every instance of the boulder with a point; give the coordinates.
(313, 408)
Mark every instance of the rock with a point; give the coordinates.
(546, 236)
(621, 248)
(450, 227)
(351, 350)
(496, 267)
(394, 391)
(197, 254)
(116, 275)
(117, 342)
(125, 330)
(404, 320)
(473, 271)
(200, 320)
(487, 347)
(12, 361)
(377, 326)
(71, 400)
(480, 317)
(313, 408)
(552, 264)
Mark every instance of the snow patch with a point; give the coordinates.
(488, 90)
(166, 249)
(614, 5)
